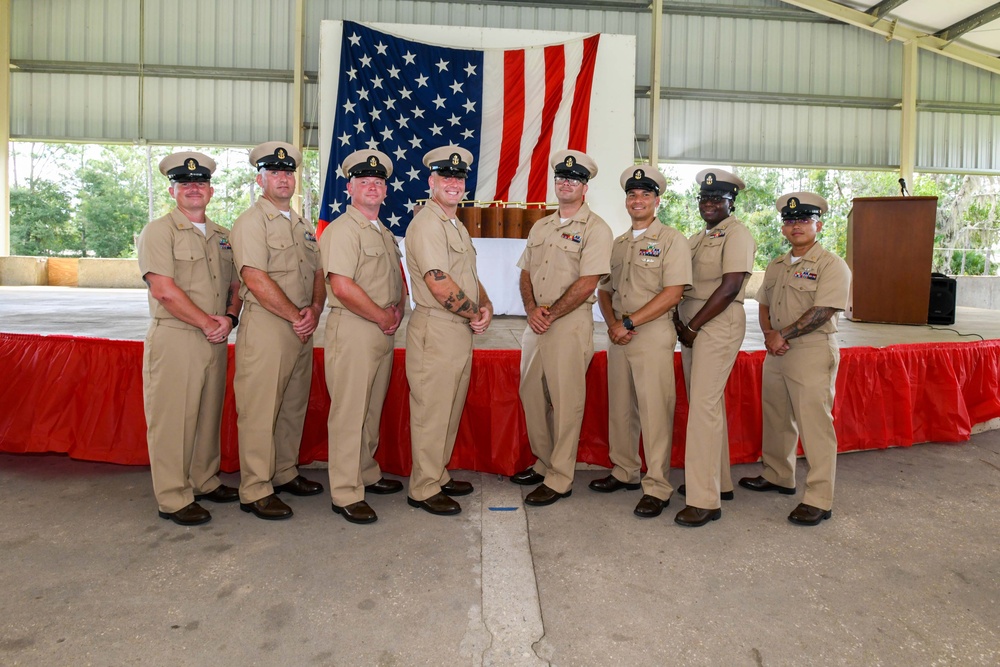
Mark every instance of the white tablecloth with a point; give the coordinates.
(496, 261)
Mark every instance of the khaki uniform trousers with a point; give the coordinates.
(553, 393)
(641, 397)
(358, 363)
(706, 370)
(438, 368)
(272, 382)
(798, 390)
(184, 384)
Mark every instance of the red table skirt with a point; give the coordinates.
(83, 397)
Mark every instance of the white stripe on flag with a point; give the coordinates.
(560, 127)
(491, 133)
(534, 100)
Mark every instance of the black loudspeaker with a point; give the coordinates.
(942, 305)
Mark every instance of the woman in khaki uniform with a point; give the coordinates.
(711, 325)
(799, 300)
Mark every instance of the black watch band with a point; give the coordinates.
(235, 320)
(627, 323)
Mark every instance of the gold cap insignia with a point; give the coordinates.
(192, 164)
(280, 153)
(639, 174)
(793, 202)
(710, 179)
(569, 161)
(455, 159)
(373, 161)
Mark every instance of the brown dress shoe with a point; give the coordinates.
(456, 488)
(527, 477)
(693, 517)
(611, 483)
(384, 487)
(220, 494)
(439, 504)
(761, 484)
(300, 486)
(359, 512)
(269, 507)
(807, 515)
(724, 495)
(650, 506)
(189, 515)
(543, 495)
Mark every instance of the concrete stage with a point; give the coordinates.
(905, 573)
(123, 314)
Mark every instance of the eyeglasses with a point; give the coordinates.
(562, 180)
(798, 221)
(714, 199)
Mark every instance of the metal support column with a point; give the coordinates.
(656, 35)
(908, 116)
(4, 128)
(298, 101)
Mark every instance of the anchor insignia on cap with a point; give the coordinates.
(280, 153)
(793, 202)
(192, 164)
(455, 159)
(710, 179)
(373, 161)
(569, 161)
(639, 174)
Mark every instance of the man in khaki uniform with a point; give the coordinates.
(187, 262)
(361, 263)
(566, 254)
(799, 300)
(650, 266)
(711, 324)
(451, 306)
(283, 288)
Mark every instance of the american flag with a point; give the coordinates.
(511, 108)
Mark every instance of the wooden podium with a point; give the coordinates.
(890, 245)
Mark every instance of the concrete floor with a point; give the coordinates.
(905, 573)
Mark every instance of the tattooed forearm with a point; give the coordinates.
(811, 320)
(229, 298)
(459, 303)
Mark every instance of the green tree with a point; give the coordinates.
(40, 220)
(113, 201)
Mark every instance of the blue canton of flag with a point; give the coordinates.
(403, 98)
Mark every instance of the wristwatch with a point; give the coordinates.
(627, 323)
(235, 320)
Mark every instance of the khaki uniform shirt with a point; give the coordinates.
(819, 278)
(726, 248)
(200, 265)
(433, 242)
(284, 249)
(558, 253)
(641, 267)
(351, 246)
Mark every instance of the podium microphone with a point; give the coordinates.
(902, 188)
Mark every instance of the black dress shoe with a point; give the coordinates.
(650, 506)
(527, 477)
(761, 484)
(611, 483)
(456, 488)
(300, 486)
(359, 512)
(807, 515)
(724, 495)
(269, 507)
(220, 494)
(384, 487)
(543, 495)
(189, 515)
(693, 517)
(439, 504)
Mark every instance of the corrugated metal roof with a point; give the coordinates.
(744, 81)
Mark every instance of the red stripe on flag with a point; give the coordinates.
(513, 120)
(555, 74)
(580, 117)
